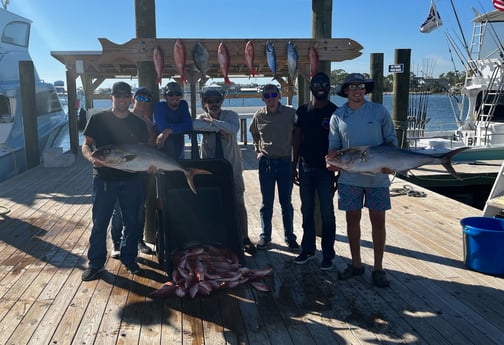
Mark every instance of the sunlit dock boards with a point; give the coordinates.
(433, 298)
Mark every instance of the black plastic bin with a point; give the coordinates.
(208, 217)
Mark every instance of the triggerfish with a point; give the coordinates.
(158, 59)
(271, 58)
(376, 159)
(292, 59)
(249, 57)
(179, 55)
(223, 57)
(140, 157)
(200, 58)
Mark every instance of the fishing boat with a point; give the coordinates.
(478, 104)
(51, 118)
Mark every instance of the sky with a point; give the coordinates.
(380, 26)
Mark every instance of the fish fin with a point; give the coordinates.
(446, 163)
(190, 173)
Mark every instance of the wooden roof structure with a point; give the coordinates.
(120, 60)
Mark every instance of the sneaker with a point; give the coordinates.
(380, 278)
(116, 251)
(350, 271)
(293, 244)
(133, 268)
(249, 247)
(91, 273)
(144, 248)
(326, 264)
(303, 258)
(263, 243)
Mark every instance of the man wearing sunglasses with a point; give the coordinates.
(171, 119)
(272, 128)
(225, 123)
(310, 148)
(361, 123)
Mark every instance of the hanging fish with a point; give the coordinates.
(292, 59)
(158, 59)
(223, 57)
(314, 61)
(249, 58)
(179, 54)
(271, 58)
(200, 58)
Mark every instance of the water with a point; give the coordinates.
(439, 111)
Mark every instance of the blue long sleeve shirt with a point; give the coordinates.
(178, 120)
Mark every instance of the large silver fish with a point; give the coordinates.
(292, 59)
(200, 58)
(271, 58)
(139, 157)
(374, 159)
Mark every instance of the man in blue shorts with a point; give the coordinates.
(359, 123)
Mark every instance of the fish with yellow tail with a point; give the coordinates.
(158, 59)
(383, 158)
(140, 157)
(179, 55)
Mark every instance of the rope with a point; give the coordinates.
(4, 210)
(407, 190)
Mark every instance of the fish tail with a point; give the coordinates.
(190, 173)
(226, 80)
(446, 161)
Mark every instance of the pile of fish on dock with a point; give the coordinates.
(201, 56)
(206, 268)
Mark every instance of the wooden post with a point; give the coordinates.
(72, 112)
(28, 100)
(145, 17)
(376, 61)
(400, 97)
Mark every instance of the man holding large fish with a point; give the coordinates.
(357, 123)
(115, 126)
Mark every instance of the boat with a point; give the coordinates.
(51, 117)
(478, 104)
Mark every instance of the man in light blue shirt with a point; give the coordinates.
(360, 123)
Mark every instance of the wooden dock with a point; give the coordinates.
(433, 297)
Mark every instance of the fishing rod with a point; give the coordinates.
(460, 28)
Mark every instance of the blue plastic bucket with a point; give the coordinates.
(484, 244)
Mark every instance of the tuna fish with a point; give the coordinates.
(139, 157)
(271, 58)
(376, 159)
(314, 61)
(223, 57)
(158, 59)
(179, 55)
(249, 57)
(200, 58)
(292, 59)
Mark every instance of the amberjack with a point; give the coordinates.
(139, 157)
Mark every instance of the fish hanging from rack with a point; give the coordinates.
(179, 55)
(292, 59)
(314, 61)
(200, 58)
(249, 58)
(158, 59)
(433, 20)
(223, 57)
(271, 58)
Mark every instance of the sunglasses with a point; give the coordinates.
(356, 87)
(270, 95)
(316, 85)
(143, 99)
(173, 93)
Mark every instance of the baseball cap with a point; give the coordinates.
(173, 86)
(270, 88)
(143, 91)
(213, 92)
(121, 88)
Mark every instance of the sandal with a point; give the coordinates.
(350, 271)
(380, 278)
